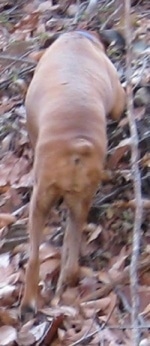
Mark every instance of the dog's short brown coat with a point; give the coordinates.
(74, 87)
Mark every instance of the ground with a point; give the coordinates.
(98, 310)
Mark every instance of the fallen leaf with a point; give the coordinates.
(8, 317)
(146, 311)
(60, 310)
(25, 338)
(6, 219)
(8, 335)
(49, 268)
(95, 234)
(118, 152)
(45, 6)
(47, 252)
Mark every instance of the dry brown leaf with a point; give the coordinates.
(61, 335)
(5, 107)
(95, 234)
(109, 336)
(103, 276)
(6, 270)
(45, 6)
(41, 333)
(89, 228)
(25, 338)
(146, 160)
(6, 219)
(49, 267)
(39, 330)
(6, 294)
(97, 305)
(145, 278)
(8, 317)
(132, 204)
(12, 169)
(8, 335)
(110, 308)
(3, 186)
(88, 284)
(13, 278)
(117, 262)
(110, 213)
(47, 252)
(146, 311)
(70, 296)
(60, 310)
(87, 273)
(78, 329)
(5, 263)
(118, 152)
(29, 22)
(139, 113)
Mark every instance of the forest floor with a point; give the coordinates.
(98, 310)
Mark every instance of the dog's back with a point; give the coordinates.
(80, 79)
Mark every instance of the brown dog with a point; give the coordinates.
(74, 87)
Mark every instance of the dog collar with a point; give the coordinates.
(87, 35)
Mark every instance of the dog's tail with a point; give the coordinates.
(81, 149)
(83, 166)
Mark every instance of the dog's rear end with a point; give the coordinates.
(74, 87)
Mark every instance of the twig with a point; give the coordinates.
(127, 306)
(129, 327)
(13, 63)
(111, 16)
(132, 204)
(142, 70)
(85, 338)
(4, 84)
(88, 336)
(91, 8)
(110, 3)
(110, 197)
(80, 11)
(16, 59)
(122, 279)
(20, 210)
(137, 182)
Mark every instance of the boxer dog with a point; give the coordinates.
(75, 86)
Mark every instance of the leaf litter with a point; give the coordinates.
(98, 310)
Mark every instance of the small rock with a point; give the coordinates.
(139, 46)
(45, 6)
(142, 97)
(72, 10)
(145, 342)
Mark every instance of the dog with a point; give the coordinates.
(74, 87)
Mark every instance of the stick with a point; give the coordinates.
(16, 59)
(136, 182)
(122, 279)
